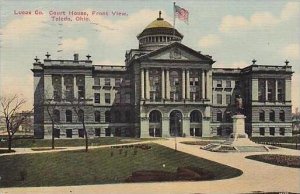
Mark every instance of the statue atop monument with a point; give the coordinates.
(239, 105)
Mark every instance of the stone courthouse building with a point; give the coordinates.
(164, 89)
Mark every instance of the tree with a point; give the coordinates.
(78, 107)
(10, 106)
(51, 108)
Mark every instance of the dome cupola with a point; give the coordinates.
(157, 34)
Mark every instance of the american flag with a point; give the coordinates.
(181, 13)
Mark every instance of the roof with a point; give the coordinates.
(159, 23)
(159, 26)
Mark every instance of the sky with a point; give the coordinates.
(233, 32)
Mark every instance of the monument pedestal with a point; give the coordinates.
(238, 140)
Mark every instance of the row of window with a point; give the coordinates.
(155, 39)
(155, 116)
(220, 98)
(97, 116)
(227, 116)
(271, 115)
(228, 84)
(262, 131)
(108, 81)
(107, 132)
(107, 98)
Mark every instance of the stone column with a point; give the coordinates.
(206, 131)
(167, 84)
(147, 85)
(203, 84)
(186, 126)
(165, 126)
(276, 90)
(209, 85)
(144, 127)
(188, 84)
(75, 88)
(142, 85)
(163, 92)
(183, 84)
(266, 91)
(254, 89)
(89, 93)
(63, 87)
(287, 90)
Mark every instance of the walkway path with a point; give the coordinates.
(257, 176)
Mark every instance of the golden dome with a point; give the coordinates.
(159, 23)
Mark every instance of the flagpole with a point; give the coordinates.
(174, 16)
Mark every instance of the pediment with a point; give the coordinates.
(177, 51)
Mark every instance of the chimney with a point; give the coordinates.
(76, 56)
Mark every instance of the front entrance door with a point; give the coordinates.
(176, 123)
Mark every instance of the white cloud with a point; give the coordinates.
(23, 27)
(209, 41)
(265, 19)
(291, 51)
(74, 45)
(122, 30)
(231, 23)
(290, 10)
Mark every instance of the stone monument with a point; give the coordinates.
(238, 140)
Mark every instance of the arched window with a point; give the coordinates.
(261, 115)
(281, 115)
(117, 116)
(219, 116)
(68, 116)
(107, 117)
(272, 115)
(195, 116)
(56, 115)
(80, 115)
(154, 116)
(228, 116)
(97, 116)
(128, 116)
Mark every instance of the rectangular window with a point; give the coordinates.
(56, 95)
(118, 82)
(107, 81)
(97, 98)
(262, 131)
(81, 92)
(237, 84)
(272, 131)
(127, 98)
(228, 99)
(107, 98)
(97, 81)
(228, 84)
(219, 116)
(69, 92)
(117, 98)
(107, 132)
(219, 98)
(97, 132)
(219, 83)
(282, 131)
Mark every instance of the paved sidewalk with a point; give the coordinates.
(257, 176)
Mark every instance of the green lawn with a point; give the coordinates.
(17, 143)
(98, 166)
(276, 159)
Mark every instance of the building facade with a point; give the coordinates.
(164, 89)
